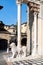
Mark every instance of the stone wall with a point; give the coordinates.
(4, 36)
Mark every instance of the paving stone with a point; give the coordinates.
(2, 61)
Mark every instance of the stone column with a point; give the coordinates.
(40, 31)
(8, 47)
(28, 32)
(19, 26)
(37, 34)
(34, 49)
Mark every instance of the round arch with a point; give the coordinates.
(13, 39)
(3, 44)
(24, 42)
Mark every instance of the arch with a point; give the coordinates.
(13, 39)
(24, 42)
(3, 44)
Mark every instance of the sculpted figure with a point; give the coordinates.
(21, 52)
(24, 51)
(13, 49)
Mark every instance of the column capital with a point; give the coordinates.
(19, 1)
(36, 13)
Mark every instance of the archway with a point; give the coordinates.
(24, 42)
(13, 39)
(3, 44)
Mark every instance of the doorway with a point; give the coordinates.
(3, 44)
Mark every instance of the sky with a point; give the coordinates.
(9, 12)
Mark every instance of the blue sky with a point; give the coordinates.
(9, 12)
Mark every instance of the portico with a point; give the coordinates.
(34, 51)
(32, 21)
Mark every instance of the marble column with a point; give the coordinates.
(28, 32)
(37, 34)
(34, 48)
(40, 31)
(19, 26)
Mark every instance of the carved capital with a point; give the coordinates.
(35, 13)
(19, 1)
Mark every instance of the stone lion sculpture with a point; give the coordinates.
(24, 51)
(15, 50)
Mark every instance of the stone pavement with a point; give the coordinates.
(36, 61)
(2, 61)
